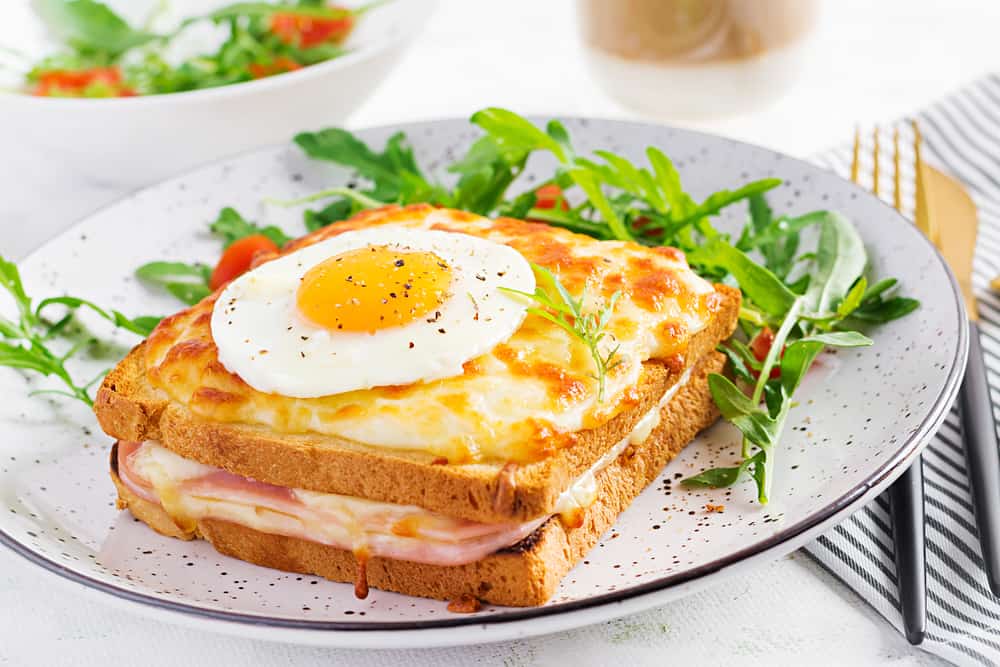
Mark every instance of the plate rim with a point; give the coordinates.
(889, 470)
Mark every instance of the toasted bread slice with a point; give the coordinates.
(128, 408)
(526, 574)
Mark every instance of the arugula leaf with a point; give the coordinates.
(779, 251)
(717, 201)
(516, 136)
(718, 478)
(187, 282)
(840, 339)
(394, 173)
(140, 325)
(232, 226)
(335, 211)
(756, 424)
(520, 207)
(10, 280)
(560, 135)
(485, 174)
(91, 26)
(669, 181)
(795, 362)
(588, 183)
(840, 260)
(878, 289)
(165, 272)
(877, 307)
(26, 344)
(853, 299)
(763, 288)
(886, 310)
(739, 362)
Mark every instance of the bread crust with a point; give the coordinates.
(524, 575)
(129, 408)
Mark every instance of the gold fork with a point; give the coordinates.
(921, 218)
(940, 199)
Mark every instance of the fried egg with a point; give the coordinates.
(369, 308)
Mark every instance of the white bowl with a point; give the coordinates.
(140, 140)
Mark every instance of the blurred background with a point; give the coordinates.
(853, 61)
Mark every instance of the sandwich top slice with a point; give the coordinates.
(419, 386)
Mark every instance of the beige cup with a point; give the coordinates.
(694, 58)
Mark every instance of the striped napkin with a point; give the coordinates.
(962, 137)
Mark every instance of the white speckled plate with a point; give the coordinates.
(862, 418)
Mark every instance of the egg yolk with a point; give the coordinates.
(373, 288)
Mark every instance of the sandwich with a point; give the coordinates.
(419, 400)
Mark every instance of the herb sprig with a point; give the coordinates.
(556, 305)
(27, 342)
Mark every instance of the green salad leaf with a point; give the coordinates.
(187, 282)
(256, 46)
(230, 226)
(91, 27)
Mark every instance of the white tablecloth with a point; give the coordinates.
(871, 61)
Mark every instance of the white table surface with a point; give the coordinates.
(870, 61)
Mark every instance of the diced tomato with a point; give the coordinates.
(94, 82)
(238, 258)
(549, 196)
(306, 31)
(279, 65)
(760, 346)
(641, 227)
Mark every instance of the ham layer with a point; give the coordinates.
(190, 491)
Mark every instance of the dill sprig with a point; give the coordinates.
(560, 308)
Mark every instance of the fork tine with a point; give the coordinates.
(875, 157)
(855, 155)
(897, 195)
(920, 216)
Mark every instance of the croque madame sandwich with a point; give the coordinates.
(382, 404)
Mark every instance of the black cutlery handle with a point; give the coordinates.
(906, 505)
(982, 456)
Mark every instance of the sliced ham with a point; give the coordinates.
(386, 530)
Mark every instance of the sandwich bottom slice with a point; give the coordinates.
(514, 564)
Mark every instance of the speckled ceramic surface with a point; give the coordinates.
(863, 416)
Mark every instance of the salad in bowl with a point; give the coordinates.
(131, 92)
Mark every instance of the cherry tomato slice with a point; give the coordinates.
(279, 65)
(94, 82)
(305, 31)
(549, 196)
(760, 346)
(238, 258)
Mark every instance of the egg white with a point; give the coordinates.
(262, 337)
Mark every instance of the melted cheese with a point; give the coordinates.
(582, 493)
(519, 402)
